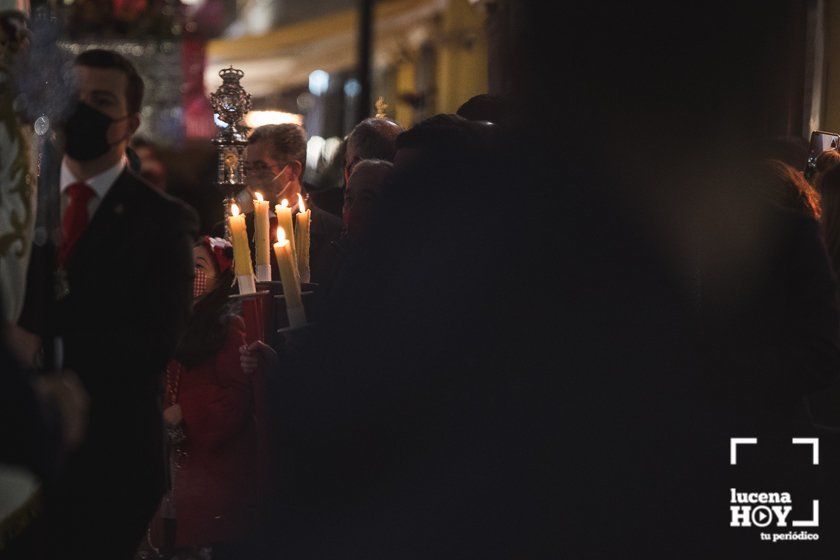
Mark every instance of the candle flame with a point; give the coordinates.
(234, 209)
(281, 236)
(284, 203)
(301, 206)
(259, 196)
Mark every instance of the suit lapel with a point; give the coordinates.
(107, 216)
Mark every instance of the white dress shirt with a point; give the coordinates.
(100, 184)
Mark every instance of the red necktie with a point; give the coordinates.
(75, 219)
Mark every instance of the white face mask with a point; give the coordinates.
(269, 184)
(283, 188)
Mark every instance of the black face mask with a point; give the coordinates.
(86, 133)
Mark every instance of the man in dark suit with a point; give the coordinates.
(120, 297)
(276, 159)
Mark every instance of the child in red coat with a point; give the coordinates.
(209, 414)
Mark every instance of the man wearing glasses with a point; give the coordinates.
(275, 161)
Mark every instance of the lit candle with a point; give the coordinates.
(261, 245)
(288, 277)
(284, 220)
(303, 218)
(241, 251)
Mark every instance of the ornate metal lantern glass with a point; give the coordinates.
(231, 103)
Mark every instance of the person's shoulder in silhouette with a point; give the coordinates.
(486, 108)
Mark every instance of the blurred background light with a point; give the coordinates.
(313, 151)
(260, 118)
(319, 82)
(352, 88)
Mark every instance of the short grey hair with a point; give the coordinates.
(286, 141)
(374, 138)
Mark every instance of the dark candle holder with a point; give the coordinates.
(278, 324)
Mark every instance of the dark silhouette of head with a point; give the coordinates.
(785, 187)
(373, 138)
(485, 107)
(362, 194)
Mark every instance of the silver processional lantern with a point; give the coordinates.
(230, 103)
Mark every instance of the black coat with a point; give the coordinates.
(130, 288)
(768, 316)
